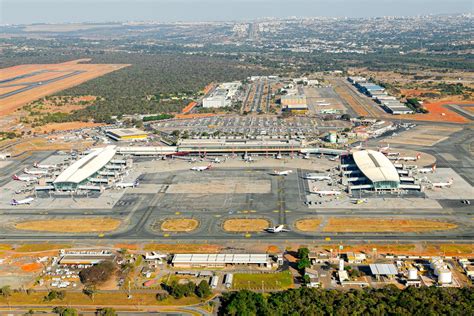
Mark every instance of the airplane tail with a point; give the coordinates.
(14, 201)
(418, 156)
(35, 164)
(433, 168)
(15, 177)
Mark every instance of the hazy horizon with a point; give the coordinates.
(75, 11)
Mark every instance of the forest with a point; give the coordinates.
(384, 301)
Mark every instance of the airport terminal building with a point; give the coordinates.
(84, 170)
(372, 170)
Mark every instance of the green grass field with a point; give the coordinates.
(269, 281)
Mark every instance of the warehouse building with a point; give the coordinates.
(372, 170)
(80, 172)
(220, 260)
(126, 134)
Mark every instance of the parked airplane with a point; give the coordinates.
(21, 202)
(24, 178)
(36, 172)
(443, 184)
(333, 158)
(201, 168)
(326, 193)
(418, 155)
(40, 166)
(281, 173)
(124, 185)
(310, 176)
(248, 158)
(428, 170)
(278, 156)
(277, 229)
(385, 148)
(307, 156)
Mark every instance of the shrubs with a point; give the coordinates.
(177, 290)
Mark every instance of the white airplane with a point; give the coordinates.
(40, 166)
(418, 155)
(201, 168)
(334, 158)
(443, 184)
(278, 156)
(326, 193)
(21, 202)
(24, 178)
(281, 173)
(36, 172)
(277, 229)
(248, 158)
(310, 176)
(307, 156)
(124, 185)
(386, 148)
(428, 170)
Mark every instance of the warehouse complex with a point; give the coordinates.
(372, 170)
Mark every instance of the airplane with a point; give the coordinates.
(310, 176)
(124, 185)
(418, 155)
(386, 148)
(36, 172)
(24, 178)
(326, 193)
(358, 146)
(277, 229)
(281, 173)
(21, 202)
(39, 166)
(443, 184)
(307, 156)
(248, 158)
(334, 158)
(278, 156)
(201, 168)
(428, 170)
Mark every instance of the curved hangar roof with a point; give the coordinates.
(87, 165)
(375, 166)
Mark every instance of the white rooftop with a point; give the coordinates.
(221, 258)
(383, 269)
(87, 165)
(375, 166)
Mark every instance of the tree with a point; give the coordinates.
(6, 291)
(90, 291)
(65, 311)
(107, 311)
(97, 274)
(161, 296)
(53, 295)
(203, 289)
(303, 253)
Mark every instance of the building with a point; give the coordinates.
(126, 134)
(206, 146)
(293, 99)
(396, 107)
(217, 101)
(85, 257)
(372, 170)
(84, 169)
(355, 257)
(388, 270)
(220, 260)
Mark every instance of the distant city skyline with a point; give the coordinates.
(59, 11)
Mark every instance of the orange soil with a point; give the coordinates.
(65, 126)
(189, 107)
(31, 267)
(436, 109)
(126, 246)
(273, 249)
(92, 71)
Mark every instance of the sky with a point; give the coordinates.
(59, 11)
